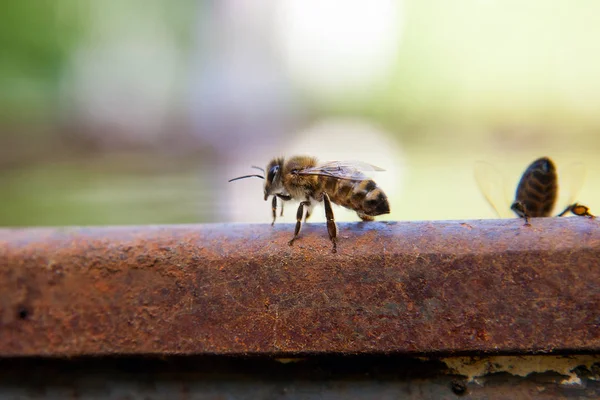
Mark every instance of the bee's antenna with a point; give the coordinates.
(246, 176)
(259, 168)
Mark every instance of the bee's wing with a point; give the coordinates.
(571, 179)
(491, 183)
(351, 170)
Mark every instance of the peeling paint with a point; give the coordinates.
(477, 367)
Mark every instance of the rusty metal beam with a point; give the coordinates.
(439, 287)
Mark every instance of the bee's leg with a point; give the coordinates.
(284, 198)
(308, 212)
(566, 210)
(331, 227)
(578, 209)
(581, 210)
(299, 215)
(274, 209)
(520, 210)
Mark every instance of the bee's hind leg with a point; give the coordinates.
(299, 215)
(577, 209)
(566, 210)
(331, 227)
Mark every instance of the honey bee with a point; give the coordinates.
(536, 192)
(304, 179)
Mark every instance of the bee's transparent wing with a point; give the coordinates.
(570, 179)
(351, 170)
(491, 183)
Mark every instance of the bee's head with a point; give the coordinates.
(273, 182)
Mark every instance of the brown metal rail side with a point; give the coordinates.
(439, 287)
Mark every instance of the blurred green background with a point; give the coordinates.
(139, 111)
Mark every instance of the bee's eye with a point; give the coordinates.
(272, 173)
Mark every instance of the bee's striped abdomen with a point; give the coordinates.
(363, 196)
(538, 188)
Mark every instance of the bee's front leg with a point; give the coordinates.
(331, 226)
(274, 209)
(283, 197)
(299, 215)
(520, 210)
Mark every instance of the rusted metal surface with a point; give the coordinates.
(393, 287)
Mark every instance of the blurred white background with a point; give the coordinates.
(135, 111)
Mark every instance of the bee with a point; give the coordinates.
(536, 192)
(304, 179)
